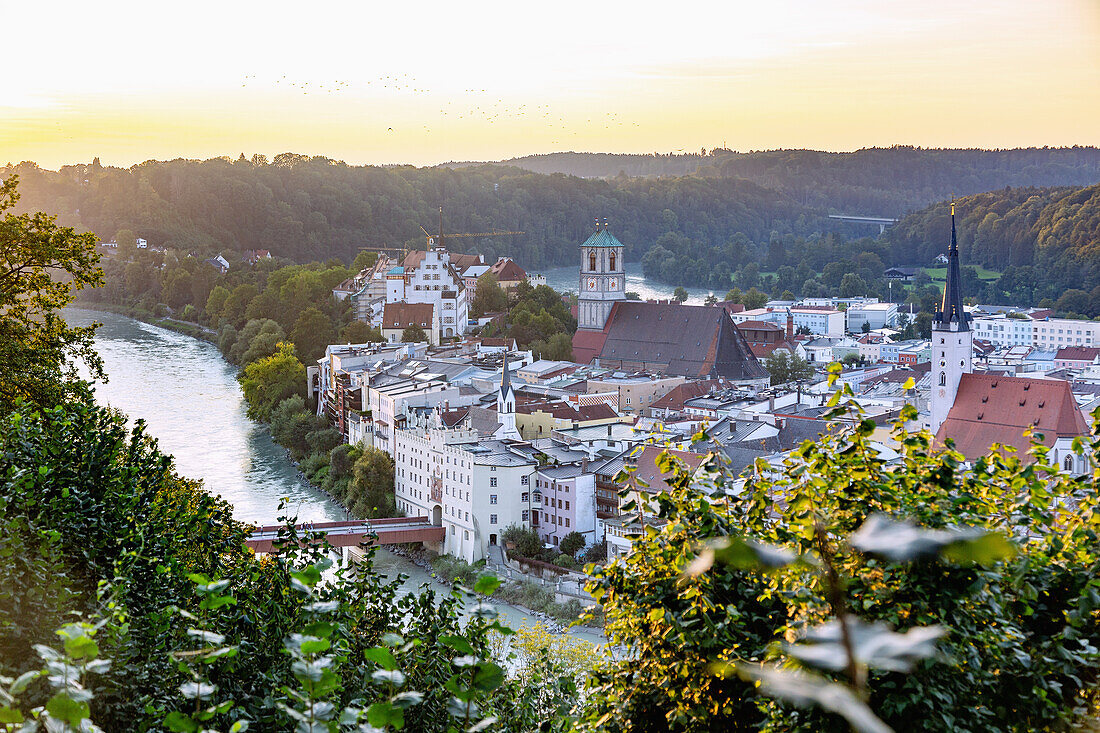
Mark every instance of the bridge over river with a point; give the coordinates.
(390, 531)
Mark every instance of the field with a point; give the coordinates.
(940, 273)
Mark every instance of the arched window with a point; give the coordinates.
(592, 261)
(943, 379)
(612, 261)
(1068, 463)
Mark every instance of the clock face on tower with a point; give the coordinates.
(612, 284)
(591, 283)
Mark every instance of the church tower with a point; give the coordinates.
(506, 406)
(952, 340)
(602, 279)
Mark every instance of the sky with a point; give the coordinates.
(427, 82)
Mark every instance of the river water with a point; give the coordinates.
(565, 279)
(188, 396)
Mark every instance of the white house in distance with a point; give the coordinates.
(396, 317)
(429, 277)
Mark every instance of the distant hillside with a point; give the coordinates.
(1046, 240)
(872, 181)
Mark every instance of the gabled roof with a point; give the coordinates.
(687, 340)
(464, 261)
(402, 315)
(507, 270)
(990, 408)
(1077, 353)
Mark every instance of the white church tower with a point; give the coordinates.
(602, 279)
(506, 406)
(952, 340)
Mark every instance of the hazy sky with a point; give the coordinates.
(424, 82)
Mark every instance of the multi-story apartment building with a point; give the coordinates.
(1055, 333)
(473, 488)
(822, 320)
(874, 315)
(567, 496)
(1004, 331)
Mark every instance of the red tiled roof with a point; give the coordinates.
(462, 261)
(508, 271)
(587, 345)
(584, 413)
(1077, 353)
(648, 471)
(402, 315)
(990, 408)
(681, 393)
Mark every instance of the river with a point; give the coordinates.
(188, 396)
(565, 279)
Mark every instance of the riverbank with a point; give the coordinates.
(187, 328)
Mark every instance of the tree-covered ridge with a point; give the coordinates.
(1046, 240)
(314, 208)
(872, 181)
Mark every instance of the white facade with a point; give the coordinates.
(1054, 333)
(473, 490)
(820, 321)
(952, 356)
(1004, 332)
(875, 315)
(433, 280)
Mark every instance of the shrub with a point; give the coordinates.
(527, 541)
(572, 543)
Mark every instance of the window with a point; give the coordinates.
(566, 504)
(524, 496)
(612, 261)
(466, 534)
(492, 498)
(567, 521)
(526, 479)
(943, 379)
(492, 519)
(1068, 464)
(592, 260)
(493, 481)
(525, 515)
(452, 529)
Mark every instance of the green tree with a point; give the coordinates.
(258, 338)
(680, 294)
(754, 299)
(672, 602)
(358, 332)
(632, 295)
(784, 367)
(38, 350)
(734, 295)
(370, 492)
(489, 297)
(923, 324)
(312, 333)
(270, 380)
(127, 244)
(413, 334)
(291, 423)
(215, 302)
(572, 543)
(852, 286)
(363, 261)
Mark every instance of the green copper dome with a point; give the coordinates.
(602, 238)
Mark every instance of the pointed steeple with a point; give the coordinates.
(505, 380)
(951, 307)
(506, 405)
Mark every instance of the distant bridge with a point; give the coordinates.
(880, 221)
(389, 531)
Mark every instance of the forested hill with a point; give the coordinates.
(314, 208)
(873, 181)
(1047, 240)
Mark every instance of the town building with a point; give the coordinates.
(508, 273)
(871, 316)
(396, 317)
(658, 338)
(634, 393)
(428, 276)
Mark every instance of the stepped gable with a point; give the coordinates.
(685, 340)
(990, 408)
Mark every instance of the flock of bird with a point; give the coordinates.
(488, 111)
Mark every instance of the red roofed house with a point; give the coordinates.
(396, 317)
(990, 408)
(673, 402)
(765, 337)
(1075, 357)
(508, 273)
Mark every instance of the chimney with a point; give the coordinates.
(771, 403)
(790, 325)
(584, 463)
